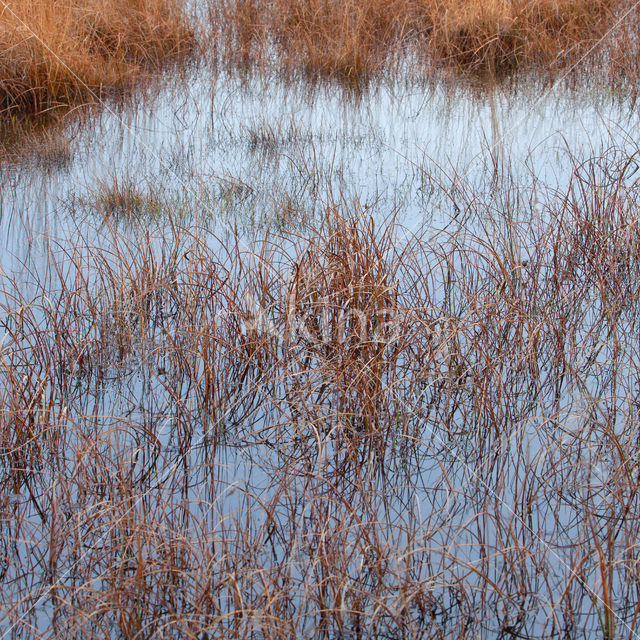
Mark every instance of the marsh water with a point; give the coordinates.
(238, 148)
(218, 155)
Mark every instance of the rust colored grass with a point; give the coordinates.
(55, 54)
(351, 38)
(344, 430)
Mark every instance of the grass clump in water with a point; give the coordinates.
(126, 200)
(60, 54)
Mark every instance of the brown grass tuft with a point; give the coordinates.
(55, 54)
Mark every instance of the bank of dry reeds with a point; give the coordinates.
(348, 38)
(59, 54)
(54, 55)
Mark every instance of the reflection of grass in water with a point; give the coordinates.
(41, 141)
(447, 425)
(51, 52)
(350, 39)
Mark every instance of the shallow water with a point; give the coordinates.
(240, 149)
(284, 491)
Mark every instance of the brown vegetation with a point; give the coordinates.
(56, 54)
(340, 431)
(352, 38)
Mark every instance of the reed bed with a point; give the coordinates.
(58, 55)
(351, 39)
(338, 430)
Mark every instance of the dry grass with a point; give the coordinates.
(351, 38)
(53, 54)
(343, 431)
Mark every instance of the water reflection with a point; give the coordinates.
(241, 149)
(330, 426)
